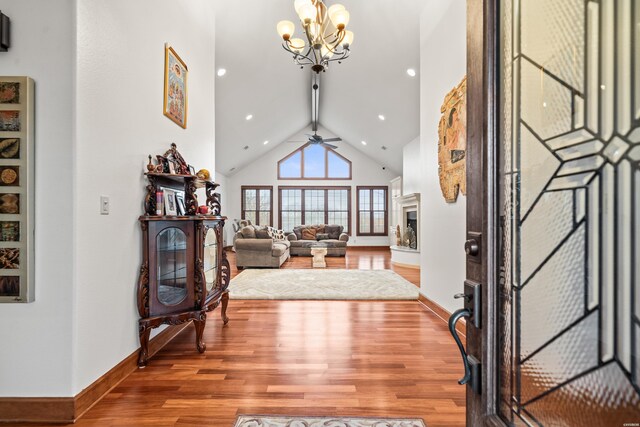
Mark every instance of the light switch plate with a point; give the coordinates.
(104, 205)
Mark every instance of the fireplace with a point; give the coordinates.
(406, 251)
(411, 229)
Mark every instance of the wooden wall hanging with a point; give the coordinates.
(452, 143)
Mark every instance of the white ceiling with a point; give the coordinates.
(262, 80)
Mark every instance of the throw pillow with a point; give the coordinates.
(309, 233)
(275, 234)
(322, 236)
(319, 228)
(298, 232)
(333, 231)
(262, 233)
(248, 232)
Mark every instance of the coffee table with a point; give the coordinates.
(319, 251)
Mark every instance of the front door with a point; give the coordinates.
(554, 212)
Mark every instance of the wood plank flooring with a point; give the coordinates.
(299, 358)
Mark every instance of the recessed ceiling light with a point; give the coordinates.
(411, 72)
(221, 72)
(249, 116)
(383, 147)
(232, 169)
(266, 142)
(381, 117)
(364, 142)
(246, 147)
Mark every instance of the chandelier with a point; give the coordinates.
(325, 31)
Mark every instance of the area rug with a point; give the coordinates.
(280, 421)
(315, 284)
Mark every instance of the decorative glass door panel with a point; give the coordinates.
(172, 266)
(211, 258)
(569, 297)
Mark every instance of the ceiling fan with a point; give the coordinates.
(318, 140)
(315, 108)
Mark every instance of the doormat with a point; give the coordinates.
(284, 421)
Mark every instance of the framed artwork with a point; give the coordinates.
(170, 207)
(16, 189)
(180, 205)
(175, 87)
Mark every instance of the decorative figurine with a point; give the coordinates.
(151, 167)
(398, 236)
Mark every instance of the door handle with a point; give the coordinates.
(455, 317)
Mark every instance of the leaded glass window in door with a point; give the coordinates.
(569, 297)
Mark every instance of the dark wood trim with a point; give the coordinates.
(442, 313)
(326, 202)
(326, 166)
(59, 410)
(371, 211)
(257, 211)
(482, 142)
(65, 410)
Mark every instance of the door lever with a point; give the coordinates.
(455, 317)
(463, 295)
(471, 365)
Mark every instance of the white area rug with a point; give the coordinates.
(276, 421)
(330, 284)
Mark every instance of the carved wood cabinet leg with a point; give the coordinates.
(144, 345)
(199, 325)
(223, 309)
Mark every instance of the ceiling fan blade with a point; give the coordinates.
(324, 144)
(332, 139)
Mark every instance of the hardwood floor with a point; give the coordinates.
(299, 358)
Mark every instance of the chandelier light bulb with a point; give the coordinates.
(297, 4)
(340, 18)
(348, 38)
(307, 13)
(333, 9)
(285, 29)
(297, 45)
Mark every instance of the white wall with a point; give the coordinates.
(411, 168)
(224, 201)
(36, 352)
(365, 171)
(119, 122)
(442, 42)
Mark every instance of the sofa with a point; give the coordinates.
(304, 237)
(260, 247)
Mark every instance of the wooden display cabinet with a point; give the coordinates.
(184, 272)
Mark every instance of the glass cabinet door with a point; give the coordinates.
(211, 258)
(171, 246)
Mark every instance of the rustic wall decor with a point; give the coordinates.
(16, 189)
(452, 143)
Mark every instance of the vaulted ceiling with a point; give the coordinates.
(262, 81)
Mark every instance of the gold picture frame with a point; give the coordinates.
(175, 105)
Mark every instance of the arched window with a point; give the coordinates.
(313, 161)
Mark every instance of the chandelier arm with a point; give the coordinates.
(344, 56)
(298, 55)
